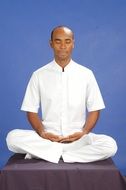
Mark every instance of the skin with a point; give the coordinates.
(62, 43)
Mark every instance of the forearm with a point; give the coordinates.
(35, 122)
(91, 121)
(37, 125)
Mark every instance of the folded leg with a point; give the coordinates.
(29, 142)
(90, 148)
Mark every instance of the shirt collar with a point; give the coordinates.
(57, 67)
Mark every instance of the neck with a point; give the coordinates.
(63, 63)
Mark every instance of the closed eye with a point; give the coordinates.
(57, 41)
(68, 41)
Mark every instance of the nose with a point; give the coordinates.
(63, 45)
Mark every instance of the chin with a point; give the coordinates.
(63, 57)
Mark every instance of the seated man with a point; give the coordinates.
(71, 101)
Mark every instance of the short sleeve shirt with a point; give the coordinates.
(64, 97)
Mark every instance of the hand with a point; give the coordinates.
(73, 137)
(51, 136)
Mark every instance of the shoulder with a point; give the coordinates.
(82, 69)
(40, 72)
(43, 69)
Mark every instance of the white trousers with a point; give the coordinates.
(89, 148)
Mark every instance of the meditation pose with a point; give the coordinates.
(70, 102)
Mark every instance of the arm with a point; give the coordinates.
(89, 125)
(37, 125)
(35, 122)
(91, 121)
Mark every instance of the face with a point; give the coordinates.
(62, 43)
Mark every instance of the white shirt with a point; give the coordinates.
(64, 97)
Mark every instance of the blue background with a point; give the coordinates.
(100, 44)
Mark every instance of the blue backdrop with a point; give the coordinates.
(100, 44)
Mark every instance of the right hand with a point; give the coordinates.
(50, 136)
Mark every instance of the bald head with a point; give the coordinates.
(63, 28)
(62, 43)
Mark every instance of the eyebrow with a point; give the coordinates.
(61, 39)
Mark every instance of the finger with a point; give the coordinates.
(54, 138)
(64, 140)
(74, 135)
(73, 139)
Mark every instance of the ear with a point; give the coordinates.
(51, 43)
(73, 43)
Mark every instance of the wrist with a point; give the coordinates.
(85, 131)
(40, 132)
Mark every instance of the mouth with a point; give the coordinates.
(62, 53)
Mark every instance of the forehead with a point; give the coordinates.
(62, 33)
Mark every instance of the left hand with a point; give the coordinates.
(50, 136)
(73, 137)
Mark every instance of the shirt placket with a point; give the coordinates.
(64, 103)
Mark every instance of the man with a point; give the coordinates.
(66, 91)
